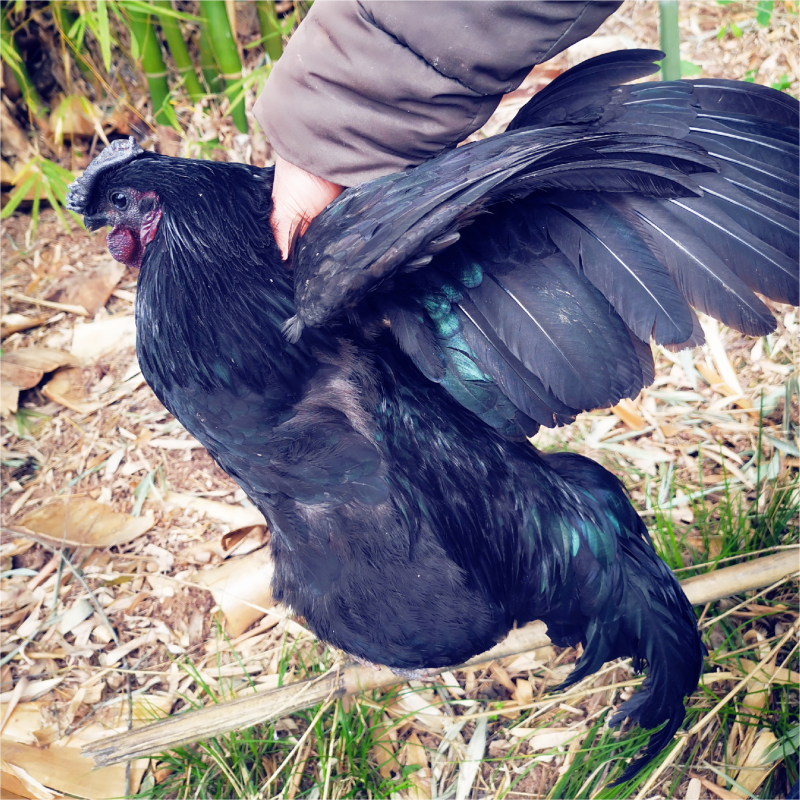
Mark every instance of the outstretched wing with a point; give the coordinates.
(613, 211)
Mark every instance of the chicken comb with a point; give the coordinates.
(118, 152)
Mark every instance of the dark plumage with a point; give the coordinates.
(382, 434)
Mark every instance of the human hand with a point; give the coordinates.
(297, 197)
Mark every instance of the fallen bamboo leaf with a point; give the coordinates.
(94, 340)
(68, 388)
(241, 587)
(712, 787)
(468, 770)
(9, 399)
(113, 657)
(352, 678)
(33, 690)
(63, 770)
(413, 701)
(70, 117)
(13, 323)
(23, 298)
(413, 754)
(545, 738)
(627, 412)
(20, 377)
(90, 289)
(24, 368)
(80, 610)
(383, 748)
(16, 779)
(711, 330)
(175, 444)
(234, 515)
(84, 522)
(44, 359)
(770, 672)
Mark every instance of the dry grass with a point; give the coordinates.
(100, 633)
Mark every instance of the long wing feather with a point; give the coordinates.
(599, 242)
(654, 198)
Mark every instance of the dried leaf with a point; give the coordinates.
(65, 770)
(21, 377)
(24, 784)
(771, 672)
(82, 521)
(234, 515)
(754, 771)
(383, 749)
(79, 611)
(231, 540)
(7, 174)
(544, 738)
(25, 368)
(711, 330)
(45, 359)
(241, 588)
(524, 692)
(70, 118)
(9, 399)
(12, 323)
(627, 412)
(502, 677)
(13, 137)
(472, 761)
(413, 754)
(93, 340)
(68, 388)
(116, 655)
(413, 700)
(90, 289)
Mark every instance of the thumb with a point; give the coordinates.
(297, 197)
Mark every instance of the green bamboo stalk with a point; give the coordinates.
(33, 100)
(270, 28)
(177, 46)
(216, 15)
(670, 40)
(208, 61)
(155, 69)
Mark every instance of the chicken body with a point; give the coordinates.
(411, 523)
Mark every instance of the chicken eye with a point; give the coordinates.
(119, 201)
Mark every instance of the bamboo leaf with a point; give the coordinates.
(159, 10)
(35, 209)
(34, 102)
(56, 171)
(56, 206)
(17, 197)
(103, 33)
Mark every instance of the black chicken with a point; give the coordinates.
(382, 429)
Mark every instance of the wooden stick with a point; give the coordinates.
(353, 679)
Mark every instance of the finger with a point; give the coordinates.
(297, 196)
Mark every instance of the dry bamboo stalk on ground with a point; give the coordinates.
(353, 678)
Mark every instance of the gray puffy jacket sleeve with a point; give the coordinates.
(368, 88)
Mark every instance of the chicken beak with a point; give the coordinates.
(92, 223)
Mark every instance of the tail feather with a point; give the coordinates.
(664, 636)
(631, 605)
